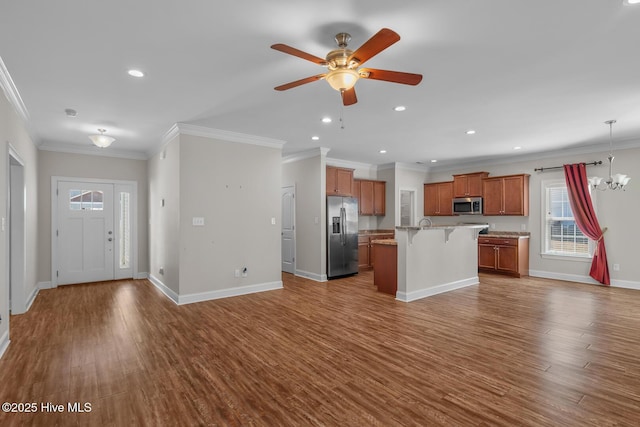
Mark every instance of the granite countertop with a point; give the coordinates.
(389, 242)
(375, 231)
(440, 227)
(507, 234)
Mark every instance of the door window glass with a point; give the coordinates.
(85, 200)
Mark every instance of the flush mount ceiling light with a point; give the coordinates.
(135, 73)
(614, 182)
(102, 140)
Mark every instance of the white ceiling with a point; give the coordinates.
(543, 75)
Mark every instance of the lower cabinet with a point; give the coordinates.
(385, 271)
(504, 255)
(365, 249)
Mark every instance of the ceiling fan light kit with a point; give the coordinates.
(102, 140)
(342, 65)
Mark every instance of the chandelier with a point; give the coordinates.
(614, 182)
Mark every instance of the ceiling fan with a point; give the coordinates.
(343, 64)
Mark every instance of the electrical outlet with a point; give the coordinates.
(273, 221)
(245, 272)
(237, 272)
(197, 221)
(616, 267)
(161, 271)
(523, 227)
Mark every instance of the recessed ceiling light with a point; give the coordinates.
(434, 161)
(632, 1)
(517, 148)
(471, 132)
(315, 137)
(399, 108)
(326, 120)
(382, 151)
(135, 73)
(70, 112)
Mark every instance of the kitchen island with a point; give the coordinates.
(436, 259)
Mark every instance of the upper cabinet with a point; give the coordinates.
(371, 196)
(437, 198)
(469, 184)
(506, 195)
(339, 181)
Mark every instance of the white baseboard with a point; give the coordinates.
(142, 275)
(32, 297)
(229, 292)
(312, 276)
(4, 343)
(170, 293)
(626, 284)
(424, 293)
(44, 285)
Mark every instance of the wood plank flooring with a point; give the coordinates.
(507, 352)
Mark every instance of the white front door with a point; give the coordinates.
(85, 232)
(288, 229)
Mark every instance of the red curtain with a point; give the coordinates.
(582, 207)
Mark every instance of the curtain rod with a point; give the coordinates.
(594, 163)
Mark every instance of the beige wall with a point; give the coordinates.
(236, 188)
(616, 210)
(164, 219)
(13, 132)
(92, 167)
(306, 174)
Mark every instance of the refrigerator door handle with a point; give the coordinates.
(343, 220)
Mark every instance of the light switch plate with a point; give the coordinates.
(273, 221)
(198, 221)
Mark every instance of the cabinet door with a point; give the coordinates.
(474, 184)
(355, 191)
(331, 181)
(366, 197)
(493, 195)
(445, 198)
(430, 199)
(364, 254)
(344, 180)
(507, 259)
(379, 199)
(513, 187)
(461, 186)
(487, 256)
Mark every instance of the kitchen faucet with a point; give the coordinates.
(428, 220)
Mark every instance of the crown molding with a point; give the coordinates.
(12, 94)
(224, 135)
(307, 154)
(349, 164)
(92, 150)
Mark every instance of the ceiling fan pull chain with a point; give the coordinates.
(342, 116)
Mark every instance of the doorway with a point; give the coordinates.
(17, 235)
(288, 229)
(93, 230)
(407, 207)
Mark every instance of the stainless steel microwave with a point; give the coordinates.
(467, 206)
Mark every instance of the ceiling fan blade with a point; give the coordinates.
(300, 54)
(376, 44)
(349, 96)
(299, 82)
(390, 76)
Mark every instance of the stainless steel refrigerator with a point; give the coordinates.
(342, 236)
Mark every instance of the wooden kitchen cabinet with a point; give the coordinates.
(385, 272)
(469, 184)
(339, 181)
(371, 197)
(504, 255)
(438, 197)
(365, 248)
(506, 195)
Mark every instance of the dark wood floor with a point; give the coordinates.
(506, 352)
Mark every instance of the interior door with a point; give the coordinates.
(288, 230)
(85, 233)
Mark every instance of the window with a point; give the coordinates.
(85, 200)
(562, 237)
(124, 231)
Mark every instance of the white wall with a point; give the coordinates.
(164, 218)
(413, 179)
(388, 221)
(13, 131)
(615, 209)
(236, 188)
(306, 175)
(52, 163)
